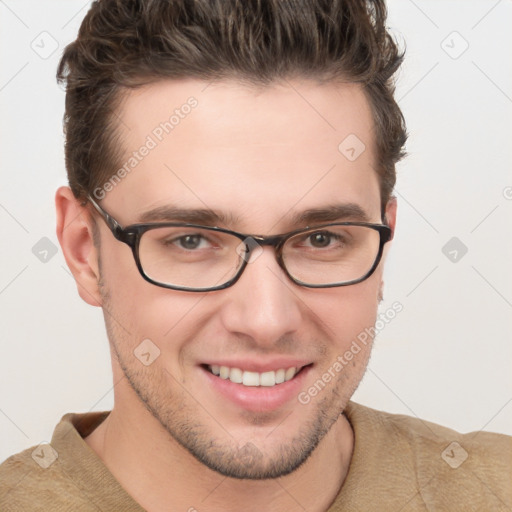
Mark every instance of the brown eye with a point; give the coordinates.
(320, 239)
(189, 242)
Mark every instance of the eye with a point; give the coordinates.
(189, 242)
(186, 241)
(320, 239)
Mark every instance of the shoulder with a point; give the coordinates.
(424, 436)
(40, 478)
(33, 480)
(450, 467)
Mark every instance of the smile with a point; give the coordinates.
(248, 378)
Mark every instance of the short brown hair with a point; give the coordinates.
(123, 44)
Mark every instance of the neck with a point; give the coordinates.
(161, 475)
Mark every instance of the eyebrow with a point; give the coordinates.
(207, 217)
(345, 211)
(201, 216)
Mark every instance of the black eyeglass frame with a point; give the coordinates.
(131, 235)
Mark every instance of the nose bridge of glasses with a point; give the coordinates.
(255, 244)
(273, 240)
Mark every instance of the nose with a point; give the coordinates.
(263, 304)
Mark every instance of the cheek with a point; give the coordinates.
(138, 310)
(350, 314)
(118, 266)
(132, 301)
(347, 311)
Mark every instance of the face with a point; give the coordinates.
(260, 157)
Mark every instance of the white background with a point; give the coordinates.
(446, 357)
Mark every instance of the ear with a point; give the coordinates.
(74, 231)
(390, 220)
(390, 215)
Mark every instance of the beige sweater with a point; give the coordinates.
(399, 463)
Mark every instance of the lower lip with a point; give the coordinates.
(258, 398)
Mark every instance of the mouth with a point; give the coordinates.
(275, 386)
(248, 378)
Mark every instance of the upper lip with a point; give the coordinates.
(252, 365)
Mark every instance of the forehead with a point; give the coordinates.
(257, 154)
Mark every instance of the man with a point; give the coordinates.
(231, 167)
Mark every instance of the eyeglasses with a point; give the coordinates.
(196, 258)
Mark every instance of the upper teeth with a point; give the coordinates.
(247, 378)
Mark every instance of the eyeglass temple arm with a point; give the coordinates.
(114, 226)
